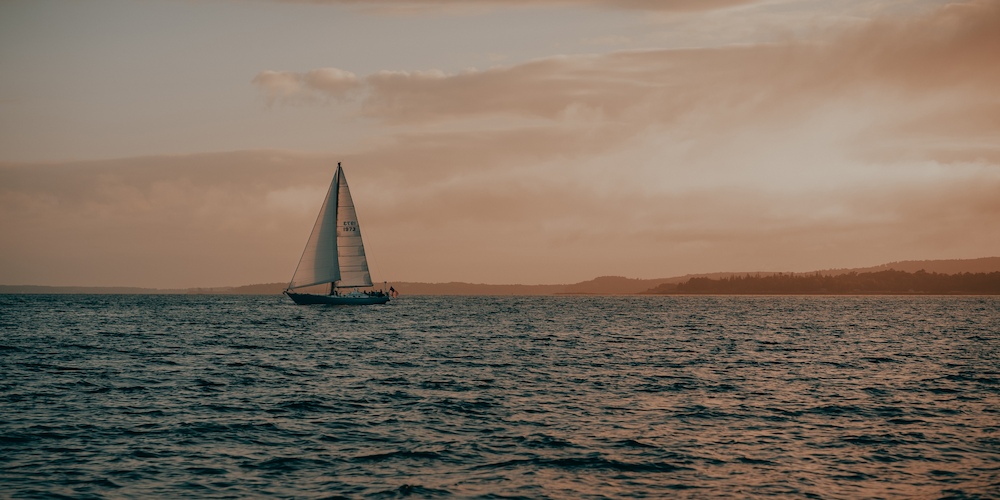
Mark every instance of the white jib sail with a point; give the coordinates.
(350, 248)
(319, 260)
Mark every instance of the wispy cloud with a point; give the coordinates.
(322, 84)
(917, 71)
(650, 5)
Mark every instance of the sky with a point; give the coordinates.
(182, 143)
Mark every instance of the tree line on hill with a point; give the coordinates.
(880, 282)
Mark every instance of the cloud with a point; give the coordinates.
(909, 74)
(648, 5)
(322, 84)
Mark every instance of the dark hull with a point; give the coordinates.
(336, 300)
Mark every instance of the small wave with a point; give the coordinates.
(344, 425)
(879, 359)
(675, 387)
(84, 346)
(101, 482)
(632, 443)
(836, 364)
(944, 390)
(754, 461)
(206, 471)
(477, 408)
(200, 382)
(905, 421)
(399, 454)
(198, 429)
(590, 462)
(723, 388)
(391, 381)
(440, 384)
(942, 473)
(701, 412)
(250, 347)
(144, 412)
(222, 408)
(412, 490)
(305, 405)
(852, 476)
(866, 440)
(836, 410)
(16, 438)
(287, 464)
(977, 378)
(888, 411)
(162, 361)
(546, 441)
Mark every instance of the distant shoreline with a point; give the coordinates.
(565, 295)
(719, 283)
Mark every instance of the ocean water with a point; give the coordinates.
(500, 397)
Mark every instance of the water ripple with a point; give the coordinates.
(500, 397)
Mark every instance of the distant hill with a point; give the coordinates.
(952, 266)
(612, 285)
(883, 282)
(603, 285)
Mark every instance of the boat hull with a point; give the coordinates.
(337, 300)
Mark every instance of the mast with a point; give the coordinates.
(336, 180)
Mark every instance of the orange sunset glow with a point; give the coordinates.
(190, 144)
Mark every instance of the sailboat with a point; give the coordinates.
(335, 254)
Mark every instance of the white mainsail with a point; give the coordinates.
(334, 252)
(350, 248)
